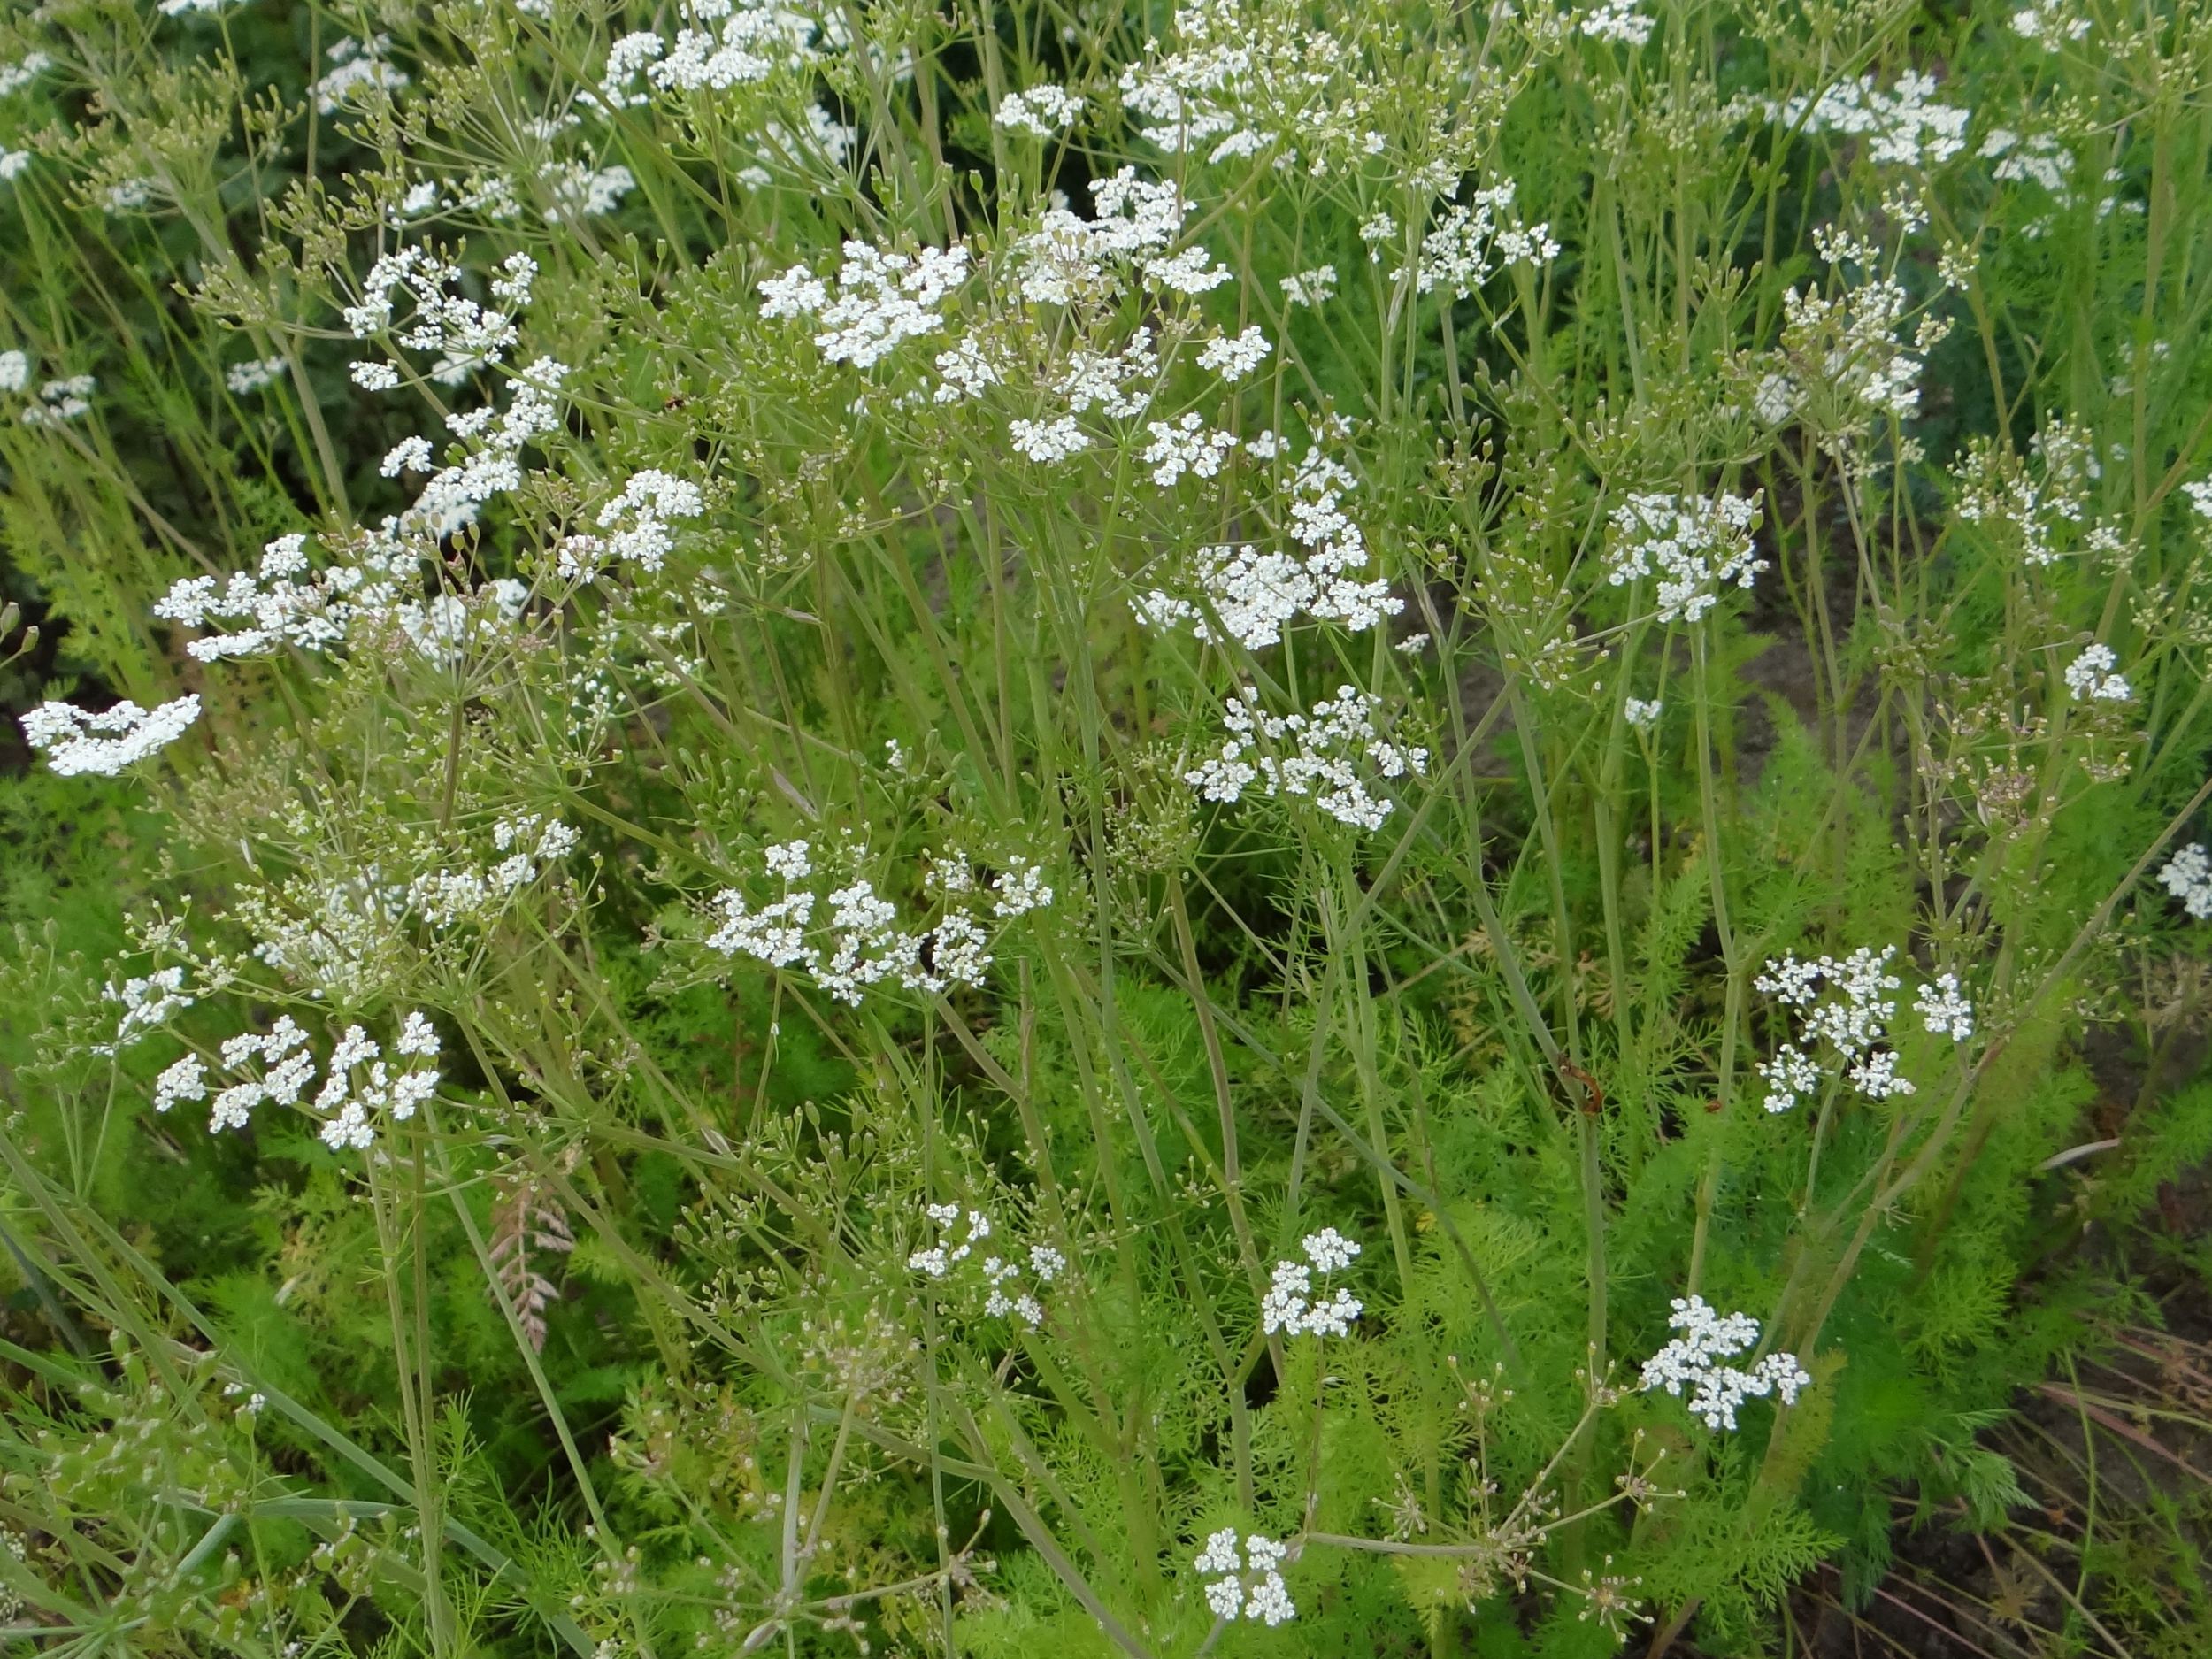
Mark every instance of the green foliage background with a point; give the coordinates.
(270, 1398)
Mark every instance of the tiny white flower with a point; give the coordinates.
(418, 1036)
(1944, 1010)
(1265, 1598)
(1617, 20)
(186, 1079)
(243, 377)
(1692, 1362)
(409, 455)
(1315, 287)
(1041, 111)
(2091, 676)
(1048, 441)
(76, 742)
(2188, 877)
(1233, 357)
(1329, 1250)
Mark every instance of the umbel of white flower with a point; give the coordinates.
(960, 1238)
(1041, 111)
(67, 399)
(755, 39)
(862, 944)
(466, 333)
(2091, 677)
(1692, 1362)
(75, 742)
(1290, 1306)
(1696, 548)
(1843, 1013)
(883, 299)
(1904, 127)
(1473, 239)
(1617, 20)
(1318, 756)
(1253, 593)
(2188, 877)
(371, 599)
(148, 1001)
(275, 1068)
(1249, 1585)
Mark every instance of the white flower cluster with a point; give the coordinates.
(344, 936)
(282, 1065)
(883, 300)
(147, 1001)
(2034, 158)
(1186, 446)
(257, 375)
(452, 497)
(1247, 1587)
(1318, 755)
(1253, 595)
(467, 335)
(1617, 20)
(574, 189)
(2035, 513)
(1046, 441)
(1640, 714)
(1069, 260)
(529, 839)
(67, 399)
(1692, 1362)
(2188, 877)
(526, 844)
(757, 38)
(332, 936)
(1943, 1008)
(637, 526)
(941, 1258)
(355, 66)
(1289, 1306)
(1005, 1296)
(75, 742)
(1904, 127)
(1849, 342)
(1119, 383)
(1233, 357)
(369, 601)
(1312, 288)
(16, 76)
(2091, 677)
(373, 594)
(185, 1080)
(1844, 1010)
(579, 190)
(1041, 111)
(865, 945)
(1471, 244)
(2050, 23)
(1696, 548)
(1243, 80)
